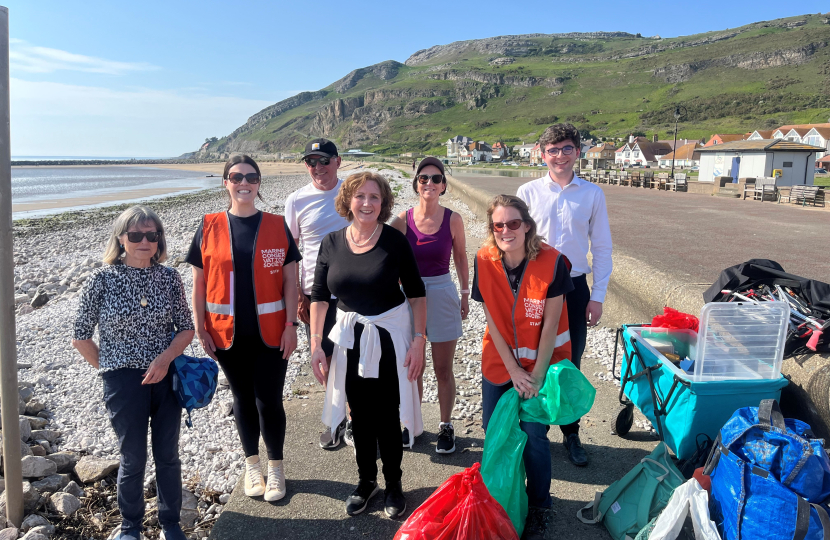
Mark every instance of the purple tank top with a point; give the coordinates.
(432, 251)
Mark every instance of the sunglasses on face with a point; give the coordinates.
(312, 162)
(137, 237)
(425, 178)
(237, 178)
(566, 150)
(513, 224)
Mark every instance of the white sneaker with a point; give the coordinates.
(275, 490)
(254, 483)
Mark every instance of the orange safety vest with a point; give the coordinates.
(271, 246)
(518, 318)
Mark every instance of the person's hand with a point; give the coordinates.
(465, 306)
(289, 341)
(206, 341)
(156, 372)
(303, 307)
(318, 365)
(593, 313)
(414, 360)
(524, 383)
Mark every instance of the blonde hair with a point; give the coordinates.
(533, 242)
(129, 218)
(354, 182)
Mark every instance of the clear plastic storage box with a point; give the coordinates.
(740, 340)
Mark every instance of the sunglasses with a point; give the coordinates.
(566, 150)
(137, 237)
(425, 178)
(513, 224)
(237, 178)
(312, 162)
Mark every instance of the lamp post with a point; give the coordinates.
(677, 116)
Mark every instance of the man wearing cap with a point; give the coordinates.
(570, 213)
(310, 216)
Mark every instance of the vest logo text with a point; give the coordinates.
(273, 258)
(534, 308)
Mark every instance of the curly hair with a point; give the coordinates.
(558, 133)
(533, 242)
(343, 201)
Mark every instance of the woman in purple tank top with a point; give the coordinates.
(436, 233)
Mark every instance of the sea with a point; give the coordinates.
(44, 184)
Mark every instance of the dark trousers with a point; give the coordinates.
(375, 410)
(536, 454)
(132, 407)
(256, 375)
(577, 301)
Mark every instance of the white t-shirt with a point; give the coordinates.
(310, 216)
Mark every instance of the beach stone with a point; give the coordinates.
(21, 405)
(31, 497)
(9, 533)
(25, 309)
(34, 407)
(48, 435)
(33, 535)
(32, 521)
(21, 298)
(39, 300)
(91, 469)
(25, 429)
(63, 503)
(37, 467)
(36, 422)
(224, 498)
(26, 392)
(37, 450)
(190, 511)
(65, 460)
(73, 489)
(52, 483)
(43, 530)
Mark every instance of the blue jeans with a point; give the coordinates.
(132, 407)
(537, 450)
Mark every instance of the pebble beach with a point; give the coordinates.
(53, 258)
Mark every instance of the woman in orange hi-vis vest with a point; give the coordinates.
(245, 308)
(522, 282)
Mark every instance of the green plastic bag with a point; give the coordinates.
(565, 396)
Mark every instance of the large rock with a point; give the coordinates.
(21, 405)
(32, 521)
(190, 511)
(37, 422)
(37, 467)
(34, 406)
(63, 503)
(40, 299)
(34, 535)
(26, 393)
(31, 497)
(25, 429)
(52, 483)
(36, 450)
(91, 469)
(73, 489)
(64, 460)
(9, 534)
(49, 435)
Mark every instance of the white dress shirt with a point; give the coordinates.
(568, 219)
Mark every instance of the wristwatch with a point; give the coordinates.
(291, 323)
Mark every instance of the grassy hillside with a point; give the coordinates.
(608, 84)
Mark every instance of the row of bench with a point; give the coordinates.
(761, 189)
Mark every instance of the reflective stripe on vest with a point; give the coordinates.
(269, 252)
(519, 317)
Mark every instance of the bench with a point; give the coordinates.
(678, 183)
(761, 188)
(802, 194)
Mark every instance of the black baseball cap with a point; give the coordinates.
(430, 161)
(320, 147)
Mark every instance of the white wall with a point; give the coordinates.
(715, 162)
(753, 166)
(795, 175)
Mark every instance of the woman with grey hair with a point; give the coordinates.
(137, 304)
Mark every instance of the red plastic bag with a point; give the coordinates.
(460, 509)
(671, 318)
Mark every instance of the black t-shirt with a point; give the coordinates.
(367, 283)
(243, 238)
(562, 283)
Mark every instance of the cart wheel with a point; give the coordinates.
(625, 419)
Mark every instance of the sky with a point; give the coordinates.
(154, 79)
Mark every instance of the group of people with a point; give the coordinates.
(371, 289)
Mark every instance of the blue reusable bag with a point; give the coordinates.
(768, 477)
(194, 382)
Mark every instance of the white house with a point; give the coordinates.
(639, 152)
(684, 157)
(523, 150)
(455, 145)
(759, 158)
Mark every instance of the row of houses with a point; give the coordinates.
(461, 149)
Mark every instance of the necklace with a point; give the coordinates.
(351, 233)
(144, 302)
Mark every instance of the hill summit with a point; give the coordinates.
(609, 84)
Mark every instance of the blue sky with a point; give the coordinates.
(104, 78)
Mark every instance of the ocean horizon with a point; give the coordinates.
(84, 158)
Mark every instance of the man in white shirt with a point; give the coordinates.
(310, 216)
(570, 212)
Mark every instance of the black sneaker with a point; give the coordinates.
(536, 524)
(576, 453)
(330, 439)
(405, 438)
(446, 439)
(348, 436)
(393, 500)
(359, 499)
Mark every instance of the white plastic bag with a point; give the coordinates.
(686, 499)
